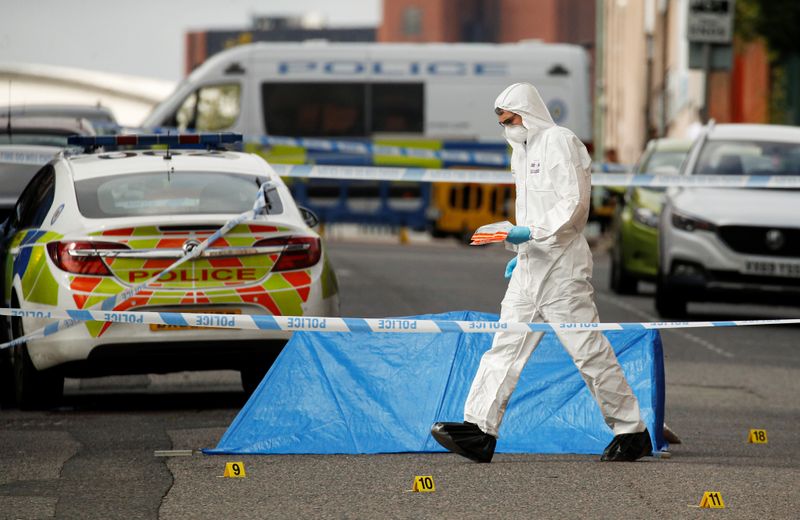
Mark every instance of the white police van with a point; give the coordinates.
(379, 90)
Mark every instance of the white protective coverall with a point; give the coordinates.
(551, 282)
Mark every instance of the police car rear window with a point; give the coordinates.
(174, 193)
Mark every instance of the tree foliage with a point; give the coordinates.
(777, 21)
(747, 19)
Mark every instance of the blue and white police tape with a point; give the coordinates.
(379, 173)
(461, 152)
(328, 324)
(473, 176)
(375, 173)
(110, 303)
(482, 158)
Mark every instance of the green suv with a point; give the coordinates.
(634, 253)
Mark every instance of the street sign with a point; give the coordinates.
(721, 56)
(710, 21)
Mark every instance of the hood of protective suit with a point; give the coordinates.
(524, 99)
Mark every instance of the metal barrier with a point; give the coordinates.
(446, 209)
(412, 204)
(365, 202)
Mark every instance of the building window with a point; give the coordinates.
(412, 21)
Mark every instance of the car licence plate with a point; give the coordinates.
(766, 268)
(161, 327)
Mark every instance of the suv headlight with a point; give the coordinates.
(646, 217)
(688, 223)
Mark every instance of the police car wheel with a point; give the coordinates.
(7, 392)
(34, 389)
(251, 378)
(253, 373)
(7, 397)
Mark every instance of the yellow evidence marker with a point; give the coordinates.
(712, 500)
(234, 470)
(424, 484)
(757, 437)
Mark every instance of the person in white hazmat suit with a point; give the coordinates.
(550, 282)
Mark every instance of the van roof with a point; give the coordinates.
(470, 50)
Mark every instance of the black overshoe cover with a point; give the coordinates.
(628, 447)
(466, 439)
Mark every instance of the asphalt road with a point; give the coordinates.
(94, 457)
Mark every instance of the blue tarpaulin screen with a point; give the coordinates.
(379, 393)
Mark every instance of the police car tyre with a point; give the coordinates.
(252, 375)
(7, 396)
(34, 389)
(7, 392)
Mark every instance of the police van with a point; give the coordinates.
(433, 95)
(321, 89)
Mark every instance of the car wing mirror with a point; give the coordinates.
(309, 217)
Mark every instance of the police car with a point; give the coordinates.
(90, 226)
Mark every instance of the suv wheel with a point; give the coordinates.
(621, 281)
(34, 389)
(669, 304)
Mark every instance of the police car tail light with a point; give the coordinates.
(82, 257)
(298, 253)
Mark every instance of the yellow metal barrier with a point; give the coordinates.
(459, 209)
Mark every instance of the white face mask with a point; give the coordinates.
(516, 133)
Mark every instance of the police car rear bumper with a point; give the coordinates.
(162, 358)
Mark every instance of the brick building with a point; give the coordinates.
(650, 91)
(498, 21)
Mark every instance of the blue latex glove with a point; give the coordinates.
(518, 235)
(510, 267)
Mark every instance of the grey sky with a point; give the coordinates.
(143, 37)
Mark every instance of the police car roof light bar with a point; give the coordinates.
(90, 143)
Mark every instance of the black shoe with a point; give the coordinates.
(628, 447)
(466, 439)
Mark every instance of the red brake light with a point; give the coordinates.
(91, 264)
(298, 253)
